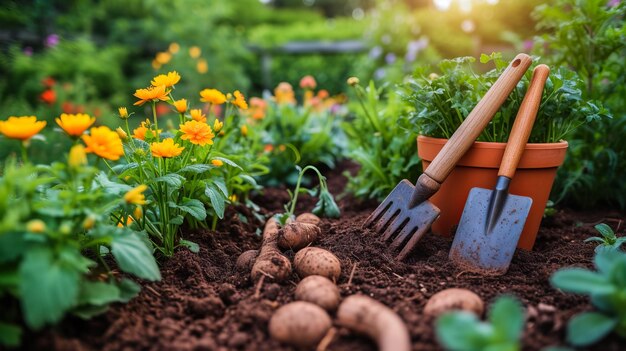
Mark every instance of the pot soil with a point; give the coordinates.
(479, 168)
(203, 303)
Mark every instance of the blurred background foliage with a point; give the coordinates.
(90, 55)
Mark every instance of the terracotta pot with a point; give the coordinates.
(479, 168)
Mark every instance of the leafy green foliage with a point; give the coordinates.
(608, 240)
(607, 289)
(380, 141)
(463, 331)
(442, 102)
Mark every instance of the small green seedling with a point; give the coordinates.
(608, 240)
(463, 331)
(325, 206)
(607, 288)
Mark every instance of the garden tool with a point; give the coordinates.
(406, 210)
(493, 220)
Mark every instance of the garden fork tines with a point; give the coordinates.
(406, 214)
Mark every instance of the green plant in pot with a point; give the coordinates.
(441, 102)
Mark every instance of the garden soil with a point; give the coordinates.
(204, 303)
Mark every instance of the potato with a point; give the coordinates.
(297, 235)
(308, 218)
(316, 261)
(246, 260)
(454, 299)
(370, 317)
(271, 262)
(300, 324)
(318, 290)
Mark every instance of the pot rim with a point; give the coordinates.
(563, 144)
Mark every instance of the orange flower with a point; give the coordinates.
(75, 125)
(202, 66)
(104, 142)
(163, 58)
(240, 100)
(212, 96)
(135, 196)
(173, 48)
(217, 163)
(198, 133)
(181, 105)
(195, 52)
(21, 128)
(48, 96)
(168, 80)
(197, 115)
(244, 130)
(217, 125)
(258, 107)
(323, 94)
(283, 94)
(268, 148)
(140, 132)
(166, 149)
(308, 82)
(151, 94)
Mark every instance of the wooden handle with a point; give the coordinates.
(477, 120)
(524, 121)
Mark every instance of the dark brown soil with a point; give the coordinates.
(203, 303)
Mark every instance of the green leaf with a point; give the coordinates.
(12, 245)
(587, 328)
(326, 206)
(507, 317)
(457, 331)
(221, 185)
(98, 293)
(48, 289)
(193, 247)
(173, 180)
(10, 334)
(228, 162)
(193, 207)
(605, 231)
(579, 280)
(217, 199)
(102, 181)
(133, 256)
(90, 311)
(196, 168)
(178, 220)
(128, 289)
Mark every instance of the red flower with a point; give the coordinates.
(48, 82)
(48, 96)
(67, 107)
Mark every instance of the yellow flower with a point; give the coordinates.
(195, 52)
(21, 128)
(181, 105)
(138, 212)
(151, 94)
(89, 222)
(352, 81)
(169, 80)
(135, 196)
(121, 133)
(173, 48)
(198, 133)
(202, 66)
(217, 125)
(167, 148)
(233, 198)
(244, 130)
(36, 226)
(77, 156)
(212, 96)
(104, 142)
(284, 94)
(156, 65)
(197, 115)
(240, 100)
(217, 163)
(75, 125)
(163, 57)
(129, 221)
(123, 112)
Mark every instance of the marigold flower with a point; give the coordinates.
(163, 57)
(75, 125)
(217, 163)
(212, 96)
(123, 112)
(173, 48)
(166, 148)
(217, 125)
(308, 82)
(258, 108)
(104, 142)
(323, 94)
(283, 94)
(135, 196)
(352, 81)
(140, 132)
(197, 115)
(240, 100)
(21, 128)
(198, 133)
(36, 226)
(77, 156)
(181, 105)
(151, 94)
(268, 148)
(195, 52)
(169, 80)
(49, 96)
(138, 212)
(202, 66)
(129, 221)
(244, 130)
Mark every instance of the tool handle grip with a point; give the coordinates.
(524, 121)
(477, 120)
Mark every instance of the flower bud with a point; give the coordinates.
(36, 226)
(77, 156)
(121, 133)
(123, 112)
(352, 81)
(89, 222)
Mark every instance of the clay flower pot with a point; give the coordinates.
(479, 168)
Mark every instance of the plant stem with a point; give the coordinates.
(156, 123)
(24, 152)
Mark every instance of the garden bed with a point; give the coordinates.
(203, 303)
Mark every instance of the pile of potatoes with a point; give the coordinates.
(305, 322)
